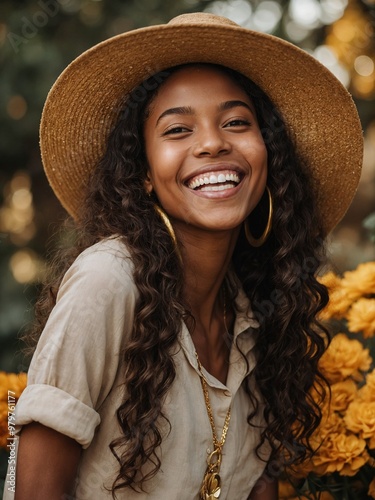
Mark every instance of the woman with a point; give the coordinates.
(181, 346)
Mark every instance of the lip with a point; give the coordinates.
(216, 167)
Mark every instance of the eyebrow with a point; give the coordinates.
(188, 110)
(224, 106)
(182, 110)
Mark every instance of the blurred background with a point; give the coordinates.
(38, 38)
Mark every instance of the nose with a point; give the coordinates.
(211, 141)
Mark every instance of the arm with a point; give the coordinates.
(265, 488)
(46, 463)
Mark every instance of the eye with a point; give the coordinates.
(238, 122)
(176, 130)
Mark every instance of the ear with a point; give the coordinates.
(148, 184)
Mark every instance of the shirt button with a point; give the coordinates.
(227, 393)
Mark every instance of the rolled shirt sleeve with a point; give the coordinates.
(77, 357)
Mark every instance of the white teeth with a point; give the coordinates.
(213, 179)
(222, 187)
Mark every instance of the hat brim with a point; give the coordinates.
(83, 104)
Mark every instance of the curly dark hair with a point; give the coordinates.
(279, 278)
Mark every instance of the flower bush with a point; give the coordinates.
(9, 382)
(343, 466)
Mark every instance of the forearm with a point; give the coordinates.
(46, 464)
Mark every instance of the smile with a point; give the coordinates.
(214, 181)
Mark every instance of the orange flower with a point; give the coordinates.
(367, 392)
(360, 418)
(341, 453)
(339, 300)
(330, 280)
(343, 393)
(16, 384)
(361, 281)
(3, 424)
(3, 386)
(344, 358)
(371, 490)
(331, 423)
(361, 317)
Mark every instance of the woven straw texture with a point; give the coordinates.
(83, 104)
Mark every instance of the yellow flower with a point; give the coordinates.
(361, 281)
(3, 386)
(341, 453)
(339, 299)
(361, 317)
(330, 280)
(371, 490)
(9, 382)
(342, 393)
(3, 424)
(344, 358)
(367, 392)
(360, 418)
(331, 423)
(15, 382)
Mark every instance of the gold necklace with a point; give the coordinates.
(211, 485)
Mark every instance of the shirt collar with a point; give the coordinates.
(244, 336)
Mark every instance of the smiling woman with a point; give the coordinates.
(176, 350)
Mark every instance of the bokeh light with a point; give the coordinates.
(364, 65)
(326, 56)
(25, 266)
(16, 107)
(238, 11)
(331, 10)
(17, 212)
(306, 12)
(351, 38)
(267, 16)
(91, 13)
(295, 31)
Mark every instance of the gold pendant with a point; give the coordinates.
(211, 487)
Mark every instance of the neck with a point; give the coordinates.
(206, 260)
(206, 257)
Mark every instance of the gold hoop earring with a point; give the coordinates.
(258, 242)
(164, 217)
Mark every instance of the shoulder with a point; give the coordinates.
(108, 252)
(107, 265)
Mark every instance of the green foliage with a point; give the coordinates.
(369, 223)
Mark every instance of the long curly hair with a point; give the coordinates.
(279, 278)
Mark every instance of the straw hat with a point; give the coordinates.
(83, 104)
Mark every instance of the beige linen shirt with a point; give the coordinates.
(74, 387)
